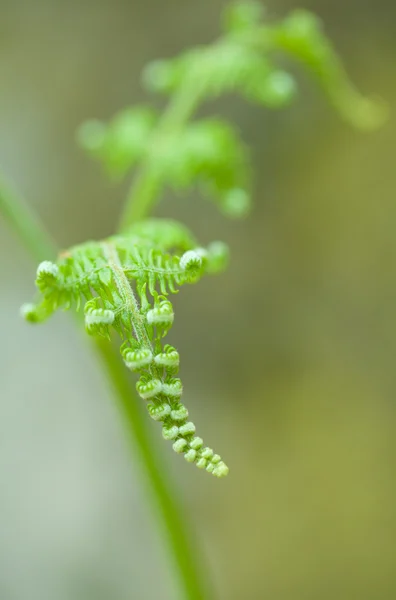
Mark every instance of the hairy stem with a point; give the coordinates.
(164, 498)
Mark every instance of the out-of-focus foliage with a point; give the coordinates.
(180, 153)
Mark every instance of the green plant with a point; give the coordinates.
(125, 281)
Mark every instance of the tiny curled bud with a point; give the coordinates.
(148, 388)
(137, 359)
(46, 277)
(173, 387)
(99, 316)
(220, 470)
(170, 432)
(190, 456)
(207, 453)
(179, 413)
(196, 443)
(47, 268)
(168, 358)
(191, 260)
(187, 429)
(191, 264)
(162, 314)
(179, 445)
(159, 412)
(97, 319)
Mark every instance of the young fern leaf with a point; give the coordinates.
(112, 278)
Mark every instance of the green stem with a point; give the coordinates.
(147, 184)
(170, 516)
(26, 225)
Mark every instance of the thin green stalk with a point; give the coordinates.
(25, 223)
(146, 186)
(38, 242)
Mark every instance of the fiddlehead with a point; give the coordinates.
(113, 278)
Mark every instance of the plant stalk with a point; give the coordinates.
(146, 185)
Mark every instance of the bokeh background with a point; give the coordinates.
(288, 359)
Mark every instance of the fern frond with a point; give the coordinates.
(208, 153)
(112, 277)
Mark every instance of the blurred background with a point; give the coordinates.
(287, 358)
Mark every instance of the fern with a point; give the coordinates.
(113, 278)
(124, 282)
